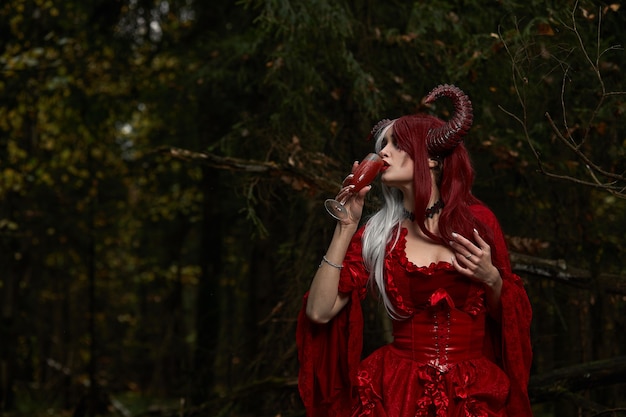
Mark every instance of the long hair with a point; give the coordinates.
(382, 230)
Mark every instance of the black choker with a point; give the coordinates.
(430, 211)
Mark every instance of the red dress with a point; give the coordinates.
(448, 357)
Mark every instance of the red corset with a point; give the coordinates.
(440, 335)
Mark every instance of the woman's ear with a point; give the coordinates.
(432, 163)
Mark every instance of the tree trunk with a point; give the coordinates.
(7, 335)
(210, 260)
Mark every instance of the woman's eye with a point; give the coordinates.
(383, 143)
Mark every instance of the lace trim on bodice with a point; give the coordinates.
(399, 254)
(473, 305)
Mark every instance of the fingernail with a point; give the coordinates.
(475, 231)
(454, 235)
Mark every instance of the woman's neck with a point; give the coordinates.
(432, 211)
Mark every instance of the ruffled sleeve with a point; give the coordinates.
(510, 339)
(330, 353)
(354, 276)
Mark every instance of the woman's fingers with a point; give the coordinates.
(354, 202)
(465, 247)
(474, 259)
(479, 240)
(346, 180)
(344, 194)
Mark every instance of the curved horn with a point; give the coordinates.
(443, 139)
(378, 127)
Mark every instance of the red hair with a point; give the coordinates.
(455, 185)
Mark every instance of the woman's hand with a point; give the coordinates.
(474, 260)
(354, 201)
(354, 206)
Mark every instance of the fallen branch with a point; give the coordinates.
(559, 270)
(551, 385)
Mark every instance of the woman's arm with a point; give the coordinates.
(325, 300)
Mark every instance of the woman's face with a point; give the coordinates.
(398, 170)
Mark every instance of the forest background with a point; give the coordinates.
(163, 166)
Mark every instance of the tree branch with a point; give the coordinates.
(550, 385)
(600, 178)
(291, 173)
(558, 270)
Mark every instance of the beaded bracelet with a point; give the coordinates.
(324, 259)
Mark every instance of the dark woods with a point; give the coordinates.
(164, 163)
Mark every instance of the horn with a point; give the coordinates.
(378, 127)
(442, 140)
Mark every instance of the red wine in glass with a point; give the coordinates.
(362, 176)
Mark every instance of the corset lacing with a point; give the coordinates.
(439, 336)
(442, 339)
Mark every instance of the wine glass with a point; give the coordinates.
(362, 176)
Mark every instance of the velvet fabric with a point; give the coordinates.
(448, 357)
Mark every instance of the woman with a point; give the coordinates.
(437, 257)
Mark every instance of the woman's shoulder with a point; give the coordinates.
(481, 210)
(484, 214)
